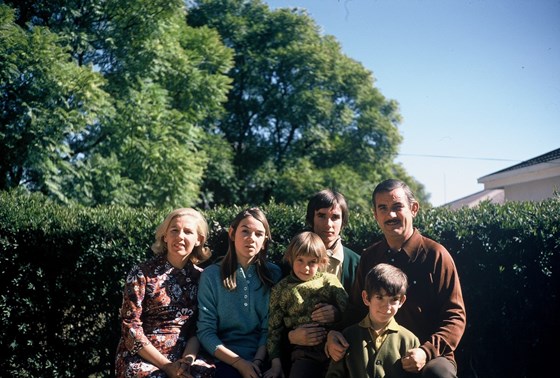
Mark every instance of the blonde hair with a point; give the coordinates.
(200, 253)
(307, 243)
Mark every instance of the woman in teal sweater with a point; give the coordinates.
(233, 299)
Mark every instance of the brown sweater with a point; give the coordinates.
(434, 310)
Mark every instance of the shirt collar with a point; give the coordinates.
(336, 251)
(391, 326)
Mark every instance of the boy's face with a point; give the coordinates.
(305, 267)
(327, 223)
(382, 307)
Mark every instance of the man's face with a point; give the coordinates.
(394, 215)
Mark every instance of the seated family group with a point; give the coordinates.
(394, 310)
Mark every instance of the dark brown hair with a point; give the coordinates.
(326, 198)
(391, 184)
(387, 277)
(229, 262)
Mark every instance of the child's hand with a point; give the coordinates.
(246, 369)
(414, 360)
(275, 370)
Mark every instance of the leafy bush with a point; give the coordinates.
(63, 268)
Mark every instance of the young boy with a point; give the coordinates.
(293, 300)
(377, 343)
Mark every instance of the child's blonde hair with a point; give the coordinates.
(307, 243)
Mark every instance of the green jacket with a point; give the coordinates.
(361, 360)
(292, 301)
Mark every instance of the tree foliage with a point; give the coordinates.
(159, 103)
(46, 102)
(301, 115)
(136, 81)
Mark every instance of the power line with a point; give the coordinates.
(460, 157)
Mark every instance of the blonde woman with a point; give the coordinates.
(160, 304)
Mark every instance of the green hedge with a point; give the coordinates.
(63, 267)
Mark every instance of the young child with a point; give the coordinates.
(293, 300)
(377, 344)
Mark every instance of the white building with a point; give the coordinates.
(531, 180)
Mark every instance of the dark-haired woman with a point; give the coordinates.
(233, 297)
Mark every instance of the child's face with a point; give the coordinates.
(305, 267)
(382, 307)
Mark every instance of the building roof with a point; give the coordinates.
(492, 195)
(544, 158)
(538, 168)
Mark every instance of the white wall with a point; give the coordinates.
(532, 191)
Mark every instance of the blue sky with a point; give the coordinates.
(478, 82)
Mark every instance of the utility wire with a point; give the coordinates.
(460, 157)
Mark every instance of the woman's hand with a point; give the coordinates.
(247, 369)
(179, 369)
(307, 335)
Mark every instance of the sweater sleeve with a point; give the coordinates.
(131, 311)
(276, 326)
(207, 324)
(276, 275)
(452, 314)
(338, 296)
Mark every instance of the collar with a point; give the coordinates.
(292, 278)
(412, 247)
(336, 251)
(391, 326)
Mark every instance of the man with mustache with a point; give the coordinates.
(434, 310)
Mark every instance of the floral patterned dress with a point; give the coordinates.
(160, 306)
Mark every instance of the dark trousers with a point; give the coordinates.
(439, 367)
(309, 362)
(224, 370)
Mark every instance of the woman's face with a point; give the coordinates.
(249, 239)
(181, 237)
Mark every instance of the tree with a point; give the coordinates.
(301, 115)
(157, 80)
(152, 102)
(46, 102)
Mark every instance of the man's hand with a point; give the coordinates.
(414, 360)
(307, 335)
(336, 345)
(324, 313)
